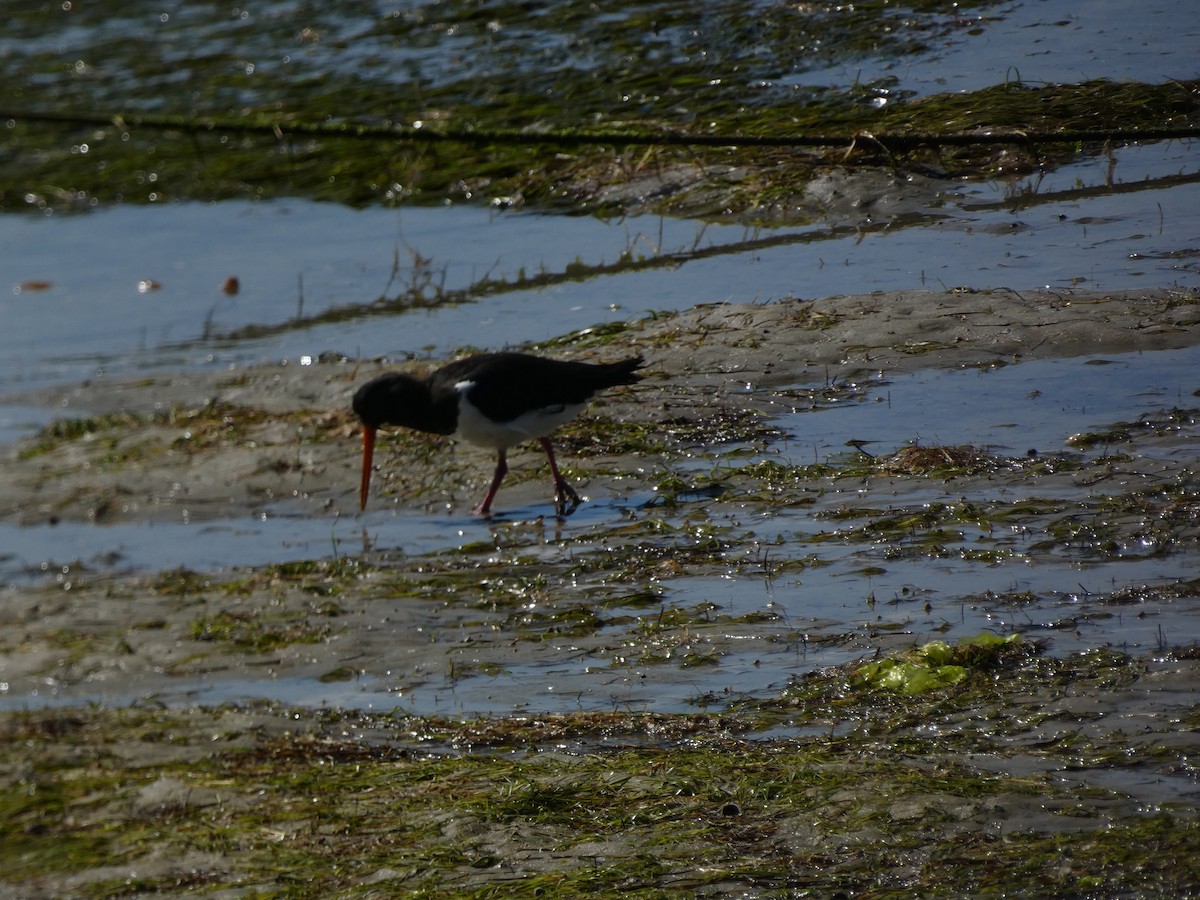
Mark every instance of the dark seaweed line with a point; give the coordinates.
(490, 287)
(388, 131)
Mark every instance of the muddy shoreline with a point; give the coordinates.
(297, 445)
(193, 448)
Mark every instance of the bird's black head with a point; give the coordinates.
(382, 400)
(399, 399)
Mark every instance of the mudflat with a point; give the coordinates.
(1077, 771)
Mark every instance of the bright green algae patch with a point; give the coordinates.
(935, 665)
(977, 787)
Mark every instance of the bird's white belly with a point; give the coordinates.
(477, 428)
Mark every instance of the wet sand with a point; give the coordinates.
(301, 446)
(235, 444)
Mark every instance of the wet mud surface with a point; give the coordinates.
(579, 653)
(202, 445)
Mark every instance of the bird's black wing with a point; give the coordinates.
(507, 385)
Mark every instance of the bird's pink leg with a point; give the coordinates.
(485, 508)
(562, 490)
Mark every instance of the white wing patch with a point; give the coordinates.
(477, 428)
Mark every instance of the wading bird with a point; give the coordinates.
(494, 400)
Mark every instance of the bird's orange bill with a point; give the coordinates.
(368, 455)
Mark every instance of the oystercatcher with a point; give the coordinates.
(495, 400)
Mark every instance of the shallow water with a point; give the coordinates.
(1010, 410)
(138, 290)
(1036, 405)
(961, 47)
(296, 260)
(821, 616)
(1043, 41)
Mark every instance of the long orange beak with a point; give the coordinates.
(368, 455)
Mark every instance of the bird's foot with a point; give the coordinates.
(563, 493)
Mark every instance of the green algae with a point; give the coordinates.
(196, 429)
(764, 795)
(278, 802)
(555, 108)
(937, 665)
(257, 632)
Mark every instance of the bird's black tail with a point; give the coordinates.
(624, 371)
